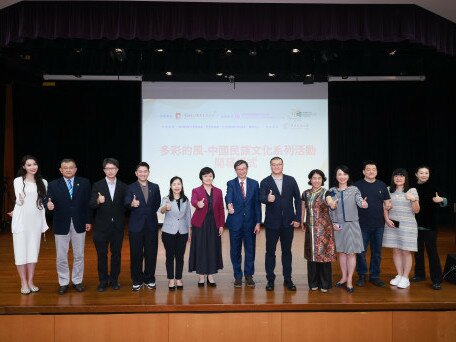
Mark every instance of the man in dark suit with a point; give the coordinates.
(244, 219)
(143, 199)
(278, 192)
(68, 199)
(107, 200)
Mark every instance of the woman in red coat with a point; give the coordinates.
(207, 228)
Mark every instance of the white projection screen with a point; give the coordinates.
(186, 126)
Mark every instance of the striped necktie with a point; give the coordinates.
(70, 187)
(243, 190)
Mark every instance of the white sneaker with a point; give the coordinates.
(396, 280)
(403, 283)
(151, 286)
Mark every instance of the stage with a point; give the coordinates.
(225, 310)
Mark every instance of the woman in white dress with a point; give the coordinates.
(401, 229)
(28, 221)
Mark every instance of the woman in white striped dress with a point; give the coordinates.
(401, 229)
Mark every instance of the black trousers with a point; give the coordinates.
(143, 248)
(319, 274)
(175, 245)
(285, 234)
(428, 239)
(113, 240)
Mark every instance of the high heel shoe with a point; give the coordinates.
(350, 289)
(339, 284)
(179, 287)
(201, 284)
(214, 284)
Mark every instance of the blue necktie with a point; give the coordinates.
(70, 188)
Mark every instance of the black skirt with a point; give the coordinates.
(206, 248)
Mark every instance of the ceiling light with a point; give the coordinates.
(271, 74)
(168, 73)
(295, 51)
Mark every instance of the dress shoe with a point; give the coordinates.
(136, 287)
(289, 285)
(115, 285)
(102, 287)
(315, 288)
(249, 281)
(172, 286)
(417, 278)
(238, 282)
(63, 289)
(339, 284)
(180, 287)
(361, 281)
(201, 284)
(395, 280)
(151, 286)
(403, 283)
(214, 284)
(377, 282)
(270, 286)
(78, 287)
(437, 286)
(350, 289)
(324, 290)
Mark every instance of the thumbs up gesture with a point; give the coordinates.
(21, 198)
(437, 198)
(230, 208)
(364, 203)
(201, 203)
(271, 197)
(134, 202)
(168, 205)
(50, 205)
(101, 199)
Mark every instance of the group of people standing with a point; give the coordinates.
(338, 223)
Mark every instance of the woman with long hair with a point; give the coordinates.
(176, 231)
(401, 230)
(29, 220)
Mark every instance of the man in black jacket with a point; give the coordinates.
(107, 201)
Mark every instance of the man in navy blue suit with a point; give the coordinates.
(278, 192)
(68, 199)
(244, 218)
(143, 199)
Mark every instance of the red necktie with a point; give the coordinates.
(243, 190)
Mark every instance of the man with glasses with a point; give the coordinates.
(107, 200)
(279, 192)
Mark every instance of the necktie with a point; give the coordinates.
(243, 190)
(70, 188)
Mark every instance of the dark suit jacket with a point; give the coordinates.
(67, 208)
(281, 212)
(217, 206)
(246, 211)
(146, 213)
(112, 211)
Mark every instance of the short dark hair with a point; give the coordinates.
(345, 169)
(240, 162)
(369, 162)
(67, 160)
(205, 171)
(142, 164)
(276, 158)
(423, 167)
(112, 161)
(400, 172)
(318, 172)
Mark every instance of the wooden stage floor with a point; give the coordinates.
(223, 298)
